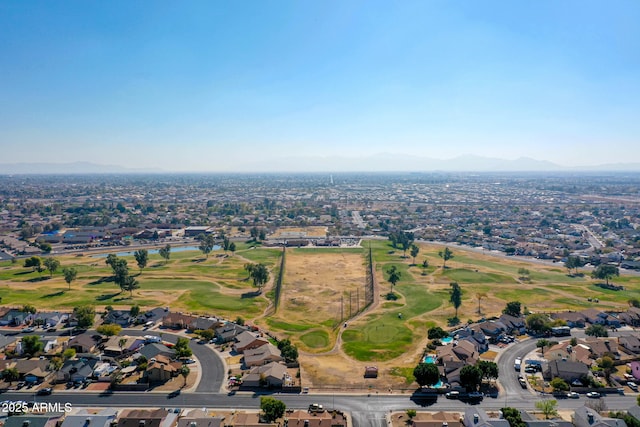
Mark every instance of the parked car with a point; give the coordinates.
(573, 395)
(45, 391)
(475, 395)
(633, 386)
(593, 394)
(453, 395)
(28, 329)
(188, 361)
(315, 407)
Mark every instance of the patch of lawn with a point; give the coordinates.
(318, 339)
(287, 327)
(380, 338)
(404, 372)
(463, 275)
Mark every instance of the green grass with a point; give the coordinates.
(316, 339)
(380, 338)
(287, 327)
(463, 275)
(404, 372)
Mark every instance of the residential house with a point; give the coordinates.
(603, 347)
(32, 420)
(161, 369)
(531, 421)
(270, 375)
(6, 341)
(247, 341)
(251, 419)
(177, 320)
(630, 343)
(204, 323)
(76, 370)
(489, 329)
(15, 317)
(119, 317)
(229, 332)
(83, 343)
(436, 419)
(565, 369)
(316, 419)
(476, 417)
(156, 349)
(121, 345)
(595, 317)
(513, 324)
(574, 319)
(50, 319)
(199, 418)
(630, 317)
(85, 418)
(147, 418)
(635, 369)
(262, 355)
(565, 351)
(587, 417)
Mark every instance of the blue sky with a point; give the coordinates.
(228, 85)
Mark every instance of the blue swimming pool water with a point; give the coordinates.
(446, 340)
(430, 359)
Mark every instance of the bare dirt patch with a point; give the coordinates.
(321, 288)
(299, 232)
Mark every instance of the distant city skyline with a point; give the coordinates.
(231, 86)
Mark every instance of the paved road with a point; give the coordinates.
(212, 368)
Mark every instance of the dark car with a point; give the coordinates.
(45, 391)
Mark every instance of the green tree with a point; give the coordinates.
(56, 363)
(70, 274)
(573, 263)
(538, 323)
(605, 272)
(165, 252)
(69, 353)
(634, 302)
(248, 267)
(33, 262)
(109, 329)
(205, 334)
(523, 274)
(426, 374)
(120, 271)
(10, 374)
(489, 370)
(182, 348)
(142, 258)
(28, 308)
(272, 408)
(394, 276)
(225, 244)
(31, 345)
(559, 385)
(232, 248)
(549, 407)
(513, 308)
(470, 377)
(455, 296)
(606, 364)
(134, 311)
(414, 252)
(411, 413)
(446, 255)
(184, 371)
(260, 275)
(111, 260)
(436, 333)
(207, 242)
(129, 284)
(541, 344)
(52, 265)
(596, 331)
(85, 315)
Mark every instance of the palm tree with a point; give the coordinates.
(184, 371)
(121, 343)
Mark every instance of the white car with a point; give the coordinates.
(593, 394)
(573, 395)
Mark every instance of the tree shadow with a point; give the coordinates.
(105, 297)
(21, 273)
(252, 294)
(53, 294)
(101, 280)
(38, 279)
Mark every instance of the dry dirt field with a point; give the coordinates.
(312, 277)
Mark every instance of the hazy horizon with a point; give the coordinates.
(221, 87)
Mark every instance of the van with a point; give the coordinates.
(633, 386)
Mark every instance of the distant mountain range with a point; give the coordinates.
(382, 162)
